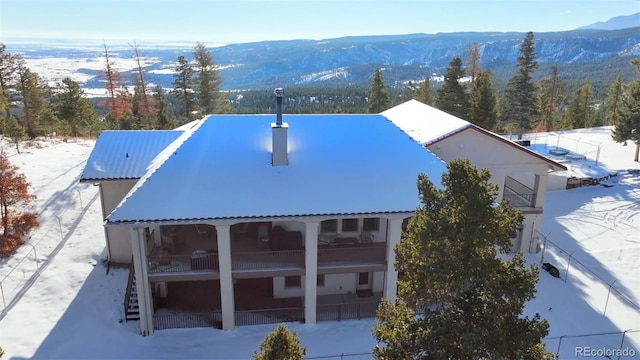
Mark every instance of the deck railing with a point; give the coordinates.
(269, 316)
(518, 194)
(267, 259)
(159, 263)
(357, 254)
(188, 320)
(346, 311)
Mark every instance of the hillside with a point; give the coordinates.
(587, 55)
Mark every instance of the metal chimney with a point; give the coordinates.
(279, 151)
(279, 93)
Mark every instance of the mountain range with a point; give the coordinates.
(598, 52)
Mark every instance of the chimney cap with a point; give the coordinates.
(278, 91)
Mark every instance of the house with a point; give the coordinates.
(245, 219)
(521, 174)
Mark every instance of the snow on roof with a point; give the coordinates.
(428, 125)
(120, 155)
(424, 123)
(338, 164)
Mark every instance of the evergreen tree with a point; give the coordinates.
(614, 100)
(183, 88)
(15, 131)
(551, 95)
(49, 123)
(470, 299)
(72, 107)
(8, 66)
(627, 126)
(473, 62)
(379, 98)
(210, 99)
(410, 91)
(31, 94)
(483, 101)
(424, 92)
(165, 117)
(14, 196)
(520, 105)
(580, 111)
(452, 95)
(281, 344)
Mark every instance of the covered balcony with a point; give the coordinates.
(517, 194)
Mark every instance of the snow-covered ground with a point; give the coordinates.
(73, 310)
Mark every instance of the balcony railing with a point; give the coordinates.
(188, 320)
(356, 254)
(268, 316)
(267, 259)
(160, 262)
(518, 194)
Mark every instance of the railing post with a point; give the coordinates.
(60, 226)
(622, 343)
(80, 196)
(566, 274)
(559, 343)
(4, 302)
(607, 303)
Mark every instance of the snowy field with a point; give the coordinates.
(62, 304)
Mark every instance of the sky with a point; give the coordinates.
(240, 21)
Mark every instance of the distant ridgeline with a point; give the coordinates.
(347, 64)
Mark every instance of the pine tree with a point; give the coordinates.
(470, 299)
(551, 95)
(30, 89)
(520, 105)
(473, 62)
(8, 71)
(580, 111)
(483, 101)
(424, 92)
(183, 87)
(165, 117)
(207, 79)
(281, 344)
(614, 100)
(627, 126)
(72, 108)
(379, 98)
(14, 196)
(15, 131)
(452, 95)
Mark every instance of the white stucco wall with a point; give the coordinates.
(118, 238)
(501, 159)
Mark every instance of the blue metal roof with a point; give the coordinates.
(338, 164)
(125, 154)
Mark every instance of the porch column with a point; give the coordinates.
(539, 190)
(394, 231)
(311, 271)
(143, 287)
(226, 279)
(157, 237)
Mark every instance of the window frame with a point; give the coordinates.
(290, 283)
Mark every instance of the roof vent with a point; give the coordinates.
(279, 155)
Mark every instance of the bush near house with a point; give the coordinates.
(14, 195)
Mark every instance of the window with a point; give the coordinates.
(329, 226)
(371, 224)
(349, 225)
(292, 282)
(320, 281)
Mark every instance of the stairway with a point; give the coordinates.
(131, 309)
